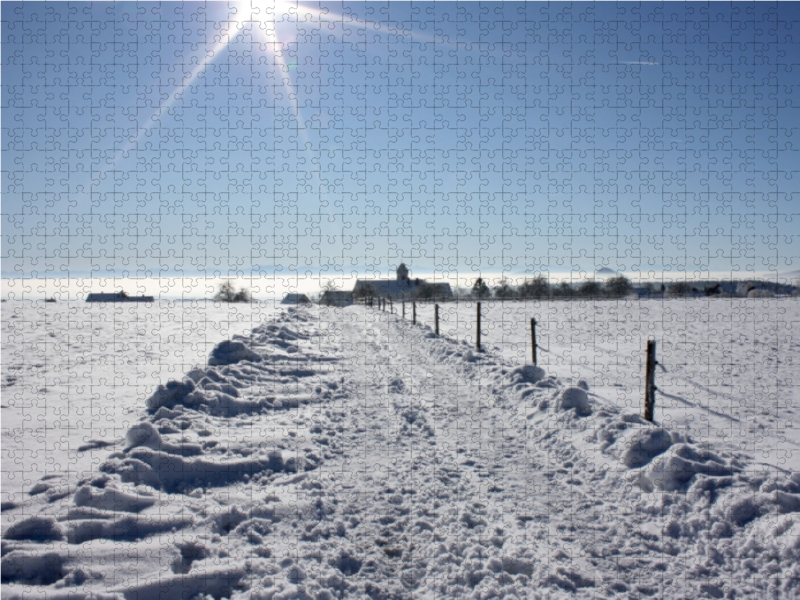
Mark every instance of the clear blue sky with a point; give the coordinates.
(155, 139)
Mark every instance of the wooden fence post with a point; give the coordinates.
(533, 340)
(478, 336)
(650, 382)
(436, 317)
(391, 306)
(414, 312)
(404, 309)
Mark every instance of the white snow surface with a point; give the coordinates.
(194, 451)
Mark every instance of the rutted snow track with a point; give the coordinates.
(348, 453)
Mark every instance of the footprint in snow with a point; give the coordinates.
(396, 386)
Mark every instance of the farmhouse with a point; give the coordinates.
(292, 298)
(401, 288)
(117, 297)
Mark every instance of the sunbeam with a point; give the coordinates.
(262, 17)
(263, 14)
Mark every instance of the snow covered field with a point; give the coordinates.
(75, 375)
(325, 453)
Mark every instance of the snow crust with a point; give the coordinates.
(334, 453)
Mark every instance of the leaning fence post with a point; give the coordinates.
(650, 381)
(391, 306)
(533, 340)
(414, 312)
(478, 337)
(404, 309)
(436, 317)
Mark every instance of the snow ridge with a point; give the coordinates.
(346, 452)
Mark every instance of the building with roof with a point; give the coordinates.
(293, 298)
(117, 297)
(402, 288)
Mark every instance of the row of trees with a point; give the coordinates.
(540, 288)
(422, 290)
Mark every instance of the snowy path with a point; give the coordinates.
(348, 453)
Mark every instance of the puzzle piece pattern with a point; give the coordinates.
(254, 449)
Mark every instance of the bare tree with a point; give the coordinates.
(227, 293)
(504, 290)
(618, 287)
(563, 290)
(536, 288)
(589, 289)
(480, 289)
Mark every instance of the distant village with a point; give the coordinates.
(607, 285)
(616, 286)
(402, 287)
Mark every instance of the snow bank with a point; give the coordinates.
(231, 352)
(38, 529)
(679, 466)
(645, 445)
(170, 393)
(524, 374)
(575, 398)
(32, 568)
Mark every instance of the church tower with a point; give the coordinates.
(402, 272)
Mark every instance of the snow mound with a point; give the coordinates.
(112, 499)
(676, 468)
(168, 394)
(524, 374)
(212, 394)
(34, 569)
(207, 582)
(573, 397)
(173, 473)
(125, 528)
(143, 434)
(37, 529)
(230, 352)
(645, 445)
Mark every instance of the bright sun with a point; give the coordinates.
(264, 13)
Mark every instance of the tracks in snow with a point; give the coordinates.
(338, 453)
